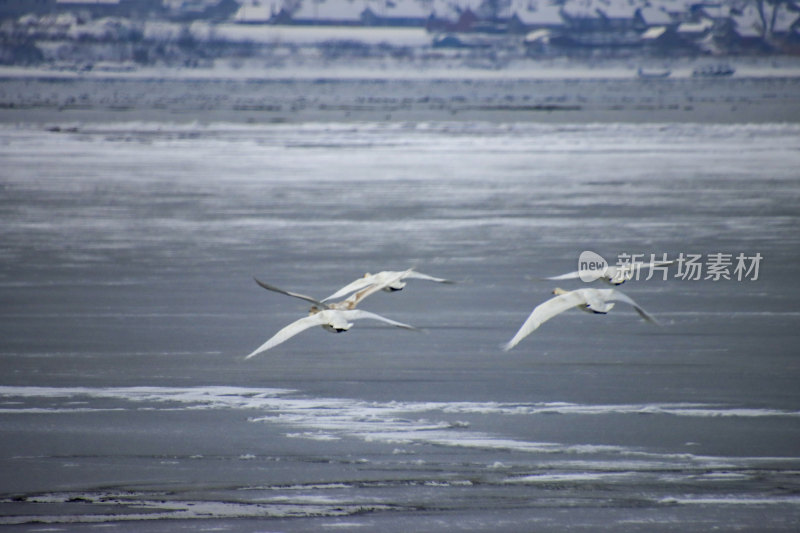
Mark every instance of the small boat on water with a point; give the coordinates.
(713, 71)
(653, 73)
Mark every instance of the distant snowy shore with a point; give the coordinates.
(556, 69)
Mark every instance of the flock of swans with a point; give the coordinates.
(337, 316)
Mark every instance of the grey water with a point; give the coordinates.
(128, 304)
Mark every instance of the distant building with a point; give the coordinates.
(112, 8)
(410, 13)
(465, 22)
(319, 13)
(583, 16)
(693, 31)
(95, 8)
(599, 24)
(537, 15)
(660, 27)
(652, 16)
(257, 11)
(665, 41)
(213, 10)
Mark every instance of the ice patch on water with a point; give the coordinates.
(134, 506)
(570, 477)
(286, 404)
(313, 435)
(331, 419)
(212, 397)
(723, 476)
(732, 499)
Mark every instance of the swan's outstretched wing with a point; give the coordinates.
(356, 314)
(614, 294)
(594, 274)
(544, 312)
(382, 281)
(319, 319)
(568, 275)
(356, 285)
(292, 294)
(413, 274)
(290, 331)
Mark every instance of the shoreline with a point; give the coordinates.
(557, 94)
(532, 70)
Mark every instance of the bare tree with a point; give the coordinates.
(768, 13)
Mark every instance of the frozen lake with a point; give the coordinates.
(128, 251)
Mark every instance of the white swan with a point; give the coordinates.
(613, 275)
(334, 316)
(388, 280)
(334, 320)
(590, 300)
(351, 301)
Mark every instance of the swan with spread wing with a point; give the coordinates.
(388, 281)
(335, 317)
(590, 300)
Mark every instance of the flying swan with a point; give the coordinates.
(613, 275)
(334, 317)
(334, 320)
(590, 300)
(382, 281)
(388, 280)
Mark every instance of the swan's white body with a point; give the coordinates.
(334, 317)
(613, 275)
(590, 300)
(387, 280)
(334, 320)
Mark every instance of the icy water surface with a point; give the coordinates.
(128, 251)
(331, 96)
